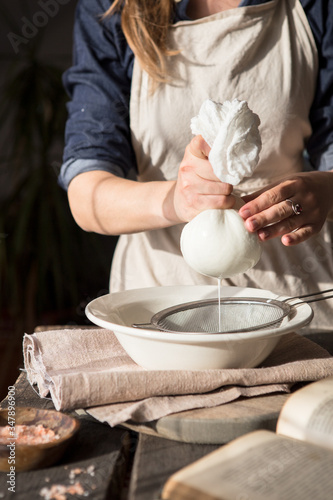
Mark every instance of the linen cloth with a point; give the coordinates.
(88, 368)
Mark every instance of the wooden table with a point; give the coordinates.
(128, 465)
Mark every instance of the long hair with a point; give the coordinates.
(145, 24)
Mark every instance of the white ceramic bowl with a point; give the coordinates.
(157, 350)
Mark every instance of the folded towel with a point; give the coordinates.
(88, 368)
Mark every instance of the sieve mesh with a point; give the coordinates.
(227, 316)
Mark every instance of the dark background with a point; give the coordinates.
(49, 268)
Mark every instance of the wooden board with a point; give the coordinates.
(226, 422)
(217, 425)
(156, 460)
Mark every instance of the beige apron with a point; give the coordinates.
(266, 55)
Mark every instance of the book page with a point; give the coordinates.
(257, 466)
(308, 414)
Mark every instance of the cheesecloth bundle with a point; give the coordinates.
(215, 243)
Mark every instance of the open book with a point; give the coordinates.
(294, 463)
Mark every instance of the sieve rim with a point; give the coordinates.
(119, 310)
(161, 315)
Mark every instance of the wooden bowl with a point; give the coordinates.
(34, 456)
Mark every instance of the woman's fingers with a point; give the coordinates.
(293, 229)
(198, 147)
(273, 214)
(196, 160)
(273, 197)
(298, 235)
(197, 186)
(294, 209)
(200, 180)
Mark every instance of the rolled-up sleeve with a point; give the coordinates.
(320, 144)
(97, 135)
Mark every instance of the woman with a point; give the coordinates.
(141, 72)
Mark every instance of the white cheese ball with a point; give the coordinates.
(215, 243)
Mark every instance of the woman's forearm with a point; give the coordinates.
(103, 203)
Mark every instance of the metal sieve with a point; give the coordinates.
(226, 315)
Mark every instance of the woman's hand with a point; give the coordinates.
(197, 187)
(294, 209)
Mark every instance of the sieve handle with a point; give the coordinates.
(145, 326)
(316, 299)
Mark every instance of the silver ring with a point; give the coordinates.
(297, 207)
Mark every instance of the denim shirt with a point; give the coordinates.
(97, 135)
